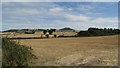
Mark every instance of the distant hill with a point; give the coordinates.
(17, 30)
(12, 30)
(66, 28)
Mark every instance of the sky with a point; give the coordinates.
(76, 15)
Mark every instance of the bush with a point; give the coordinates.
(15, 54)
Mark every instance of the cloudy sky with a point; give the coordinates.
(77, 15)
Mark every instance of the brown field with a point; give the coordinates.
(75, 51)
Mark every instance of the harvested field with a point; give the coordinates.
(75, 51)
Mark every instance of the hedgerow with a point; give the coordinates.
(15, 54)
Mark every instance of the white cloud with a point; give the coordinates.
(21, 11)
(109, 20)
(91, 19)
(56, 10)
(80, 17)
(28, 11)
(41, 10)
(70, 9)
(85, 7)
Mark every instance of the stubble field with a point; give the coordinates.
(75, 51)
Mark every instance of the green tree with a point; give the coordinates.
(44, 32)
(50, 32)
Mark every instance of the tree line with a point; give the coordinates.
(50, 31)
(31, 31)
(99, 32)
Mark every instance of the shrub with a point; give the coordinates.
(15, 54)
